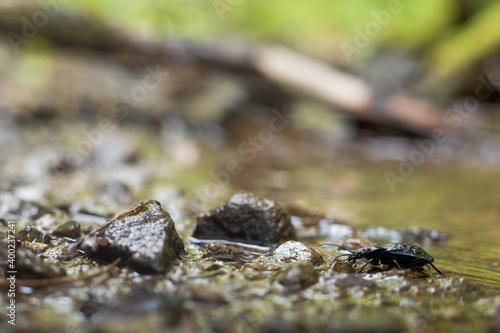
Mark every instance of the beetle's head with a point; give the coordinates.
(355, 255)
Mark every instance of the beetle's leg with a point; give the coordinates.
(362, 268)
(394, 260)
(437, 270)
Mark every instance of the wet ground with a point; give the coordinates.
(241, 290)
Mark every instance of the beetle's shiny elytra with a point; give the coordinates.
(398, 255)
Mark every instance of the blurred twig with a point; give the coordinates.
(282, 70)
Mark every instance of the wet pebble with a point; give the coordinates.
(290, 252)
(247, 219)
(144, 237)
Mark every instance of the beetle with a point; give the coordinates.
(398, 255)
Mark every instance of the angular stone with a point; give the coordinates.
(246, 219)
(144, 237)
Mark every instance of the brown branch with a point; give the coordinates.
(281, 69)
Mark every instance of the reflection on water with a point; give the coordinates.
(461, 202)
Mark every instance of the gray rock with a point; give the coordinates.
(246, 219)
(144, 237)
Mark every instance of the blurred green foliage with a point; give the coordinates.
(452, 35)
(307, 25)
(469, 43)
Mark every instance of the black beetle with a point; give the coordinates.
(398, 255)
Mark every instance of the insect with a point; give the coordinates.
(398, 255)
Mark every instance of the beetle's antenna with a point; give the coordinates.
(342, 255)
(339, 246)
(437, 270)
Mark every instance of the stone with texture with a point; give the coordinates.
(290, 252)
(144, 237)
(246, 219)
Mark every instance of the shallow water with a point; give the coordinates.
(463, 203)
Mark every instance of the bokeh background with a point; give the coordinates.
(73, 76)
(375, 113)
